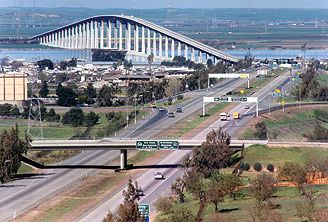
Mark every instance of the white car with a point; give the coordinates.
(158, 175)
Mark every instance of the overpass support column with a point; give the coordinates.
(172, 49)
(136, 38)
(166, 47)
(200, 56)
(109, 34)
(160, 45)
(102, 27)
(115, 36)
(88, 35)
(92, 33)
(148, 43)
(154, 44)
(129, 37)
(83, 36)
(120, 36)
(143, 49)
(192, 54)
(186, 52)
(124, 159)
(96, 35)
(179, 48)
(66, 38)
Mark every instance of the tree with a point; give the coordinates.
(45, 63)
(213, 154)
(52, 116)
(44, 91)
(128, 211)
(181, 213)
(295, 173)
(91, 119)
(262, 188)
(106, 95)
(221, 185)
(178, 188)
(127, 65)
(11, 147)
(91, 93)
(66, 96)
(150, 60)
(74, 117)
(14, 111)
(195, 184)
(209, 63)
(5, 109)
(261, 131)
(164, 204)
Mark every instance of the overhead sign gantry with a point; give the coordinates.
(231, 99)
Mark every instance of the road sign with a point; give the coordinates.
(230, 99)
(144, 209)
(283, 102)
(168, 145)
(274, 94)
(242, 91)
(277, 91)
(221, 99)
(147, 145)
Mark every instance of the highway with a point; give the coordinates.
(20, 195)
(153, 188)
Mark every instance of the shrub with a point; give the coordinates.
(246, 166)
(270, 167)
(164, 204)
(257, 167)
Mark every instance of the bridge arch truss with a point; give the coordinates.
(133, 35)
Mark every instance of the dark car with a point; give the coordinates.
(179, 110)
(140, 192)
(170, 115)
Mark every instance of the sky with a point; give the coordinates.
(147, 4)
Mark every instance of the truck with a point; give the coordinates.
(224, 116)
(236, 115)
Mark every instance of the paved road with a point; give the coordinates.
(153, 189)
(18, 196)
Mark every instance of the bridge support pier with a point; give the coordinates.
(124, 159)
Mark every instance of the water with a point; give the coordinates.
(57, 55)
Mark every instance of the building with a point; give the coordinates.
(13, 88)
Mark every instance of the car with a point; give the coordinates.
(170, 115)
(247, 107)
(179, 110)
(161, 109)
(140, 192)
(158, 175)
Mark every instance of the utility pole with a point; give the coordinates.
(34, 115)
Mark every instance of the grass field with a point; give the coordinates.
(285, 198)
(278, 156)
(230, 210)
(198, 119)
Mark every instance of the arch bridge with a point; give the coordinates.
(133, 35)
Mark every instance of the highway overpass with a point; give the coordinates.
(133, 35)
(125, 145)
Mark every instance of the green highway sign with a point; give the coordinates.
(168, 145)
(221, 99)
(147, 145)
(144, 209)
(240, 99)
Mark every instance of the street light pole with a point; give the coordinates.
(135, 109)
